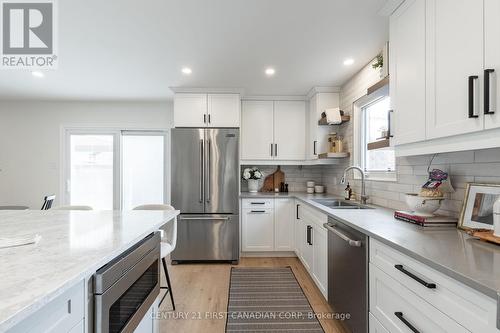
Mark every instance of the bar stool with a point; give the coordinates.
(168, 243)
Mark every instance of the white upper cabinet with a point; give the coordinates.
(289, 130)
(257, 130)
(224, 110)
(454, 66)
(273, 130)
(407, 79)
(492, 62)
(190, 110)
(317, 141)
(206, 110)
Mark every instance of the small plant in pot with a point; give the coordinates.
(252, 176)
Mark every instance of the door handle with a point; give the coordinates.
(204, 118)
(487, 79)
(257, 203)
(314, 147)
(257, 211)
(414, 277)
(209, 161)
(272, 149)
(202, 171)
(389, 127)
(355, 243)
(309, 235)
(209, 118)
(472, 80)
(297, 214)
(275, 149)
(406, 322)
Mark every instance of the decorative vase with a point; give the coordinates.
(253, 185)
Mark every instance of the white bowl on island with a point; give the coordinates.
(423, 206)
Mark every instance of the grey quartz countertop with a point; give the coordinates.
(73, 246)
(448, 250)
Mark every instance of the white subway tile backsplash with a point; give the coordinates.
(487, 155)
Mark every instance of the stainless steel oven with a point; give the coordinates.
(126, 287)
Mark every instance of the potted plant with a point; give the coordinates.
(252, 176)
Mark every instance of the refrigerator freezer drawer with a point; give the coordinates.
(207, 237)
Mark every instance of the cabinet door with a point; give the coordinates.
(224, 110)
(307, 246)
(407, 38)
(320, 257)
(454, 48)
(283, 224)
(257, 229)
(256, 130)
(290, 130)
(190, 110)
(492, 60)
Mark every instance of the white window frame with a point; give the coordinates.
(117, 132)
(359, 148)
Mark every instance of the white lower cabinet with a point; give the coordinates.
(257, 229)
(63, 314)
(375, 326)
(312, 244)
(267, 225)
(423, 297)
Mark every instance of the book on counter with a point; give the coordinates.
(426, 221)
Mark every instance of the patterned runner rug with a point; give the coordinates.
(268, 300)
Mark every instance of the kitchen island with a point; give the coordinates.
(73, 246)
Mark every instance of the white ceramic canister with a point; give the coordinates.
(310, 183)
(310, 190)
(319, 189)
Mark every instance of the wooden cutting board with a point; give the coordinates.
(273, 181)
(486, 236)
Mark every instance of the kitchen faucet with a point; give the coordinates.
(364, 197)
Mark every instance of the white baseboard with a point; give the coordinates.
(268, 254)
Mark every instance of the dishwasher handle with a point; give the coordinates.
(354, 243)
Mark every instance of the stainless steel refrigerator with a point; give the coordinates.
(205, 187)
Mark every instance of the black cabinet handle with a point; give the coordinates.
(257, 211)
(472, 78)
(257, 203)
(309, 235)
(275, 149)
(414, 277)
(487, 73)
(389, 129)
(272, 149)
(406, 322)
(314, 147)
(204, 118)
(209, 118)
(297, 214)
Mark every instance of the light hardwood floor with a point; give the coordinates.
(201, 293)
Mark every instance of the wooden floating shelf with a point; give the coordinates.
(333, 155)
(379, 144)
(322, 121)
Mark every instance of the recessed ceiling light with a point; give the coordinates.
(186, 70)
(348, 62)
(37, 74)
(270, 71)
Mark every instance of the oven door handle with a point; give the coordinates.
(355, 243)
(104, 301)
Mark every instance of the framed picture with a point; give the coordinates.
(477, 210)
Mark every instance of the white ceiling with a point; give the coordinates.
(129, 49)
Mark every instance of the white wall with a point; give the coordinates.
(30, 140)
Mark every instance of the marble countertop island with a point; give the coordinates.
(73, 245)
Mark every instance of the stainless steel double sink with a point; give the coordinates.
(340, 204)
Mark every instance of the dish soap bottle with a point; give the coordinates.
(348, 192)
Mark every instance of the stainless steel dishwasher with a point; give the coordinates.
(348, 274)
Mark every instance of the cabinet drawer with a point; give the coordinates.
(312, 215)
(374, 325)
(60, 315)
(399, 310)
(471, 309)
(257, 203)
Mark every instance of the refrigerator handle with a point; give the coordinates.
(209, 158)
(202, 171)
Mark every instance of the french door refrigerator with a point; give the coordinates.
(205, 187)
